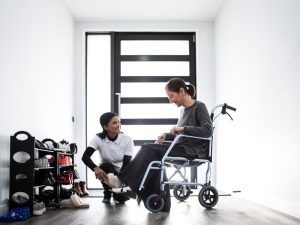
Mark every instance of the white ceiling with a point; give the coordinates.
(144, 10)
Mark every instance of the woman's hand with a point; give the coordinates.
(100, 174)
(161, 138)
(177, 130)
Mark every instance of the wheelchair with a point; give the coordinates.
(208, 195)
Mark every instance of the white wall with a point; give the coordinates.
(205, 64)
(258, 71)
(36, 75)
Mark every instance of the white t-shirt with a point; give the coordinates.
(113, 151)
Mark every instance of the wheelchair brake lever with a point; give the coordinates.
(229, 115)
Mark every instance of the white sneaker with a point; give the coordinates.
(38, 208)
(121, 190)
(126, 191)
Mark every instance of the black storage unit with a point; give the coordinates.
(21, 170)
(27, 179)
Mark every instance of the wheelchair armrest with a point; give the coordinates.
(175, 141)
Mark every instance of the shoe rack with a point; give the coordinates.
(36, 172)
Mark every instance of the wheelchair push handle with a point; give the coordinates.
(230, 107)
(223, 111)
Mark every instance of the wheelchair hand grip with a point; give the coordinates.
(231, 108)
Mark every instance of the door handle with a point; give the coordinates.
(119, 103)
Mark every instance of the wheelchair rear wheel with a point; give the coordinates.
(182, 192)
(208, 196)
(154, 203)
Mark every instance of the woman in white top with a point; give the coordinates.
(115, 150)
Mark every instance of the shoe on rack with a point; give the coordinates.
(63, 160)
(83, 188)
(66, 177)
(65, 193)
(38, 208)
(16, 214)
(20, 197)
(49, 180)
(77, 189)
(41, 163)
(48, 191)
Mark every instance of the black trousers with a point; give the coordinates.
(134, 172)
(109, 168)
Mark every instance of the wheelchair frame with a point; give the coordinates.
(208, 195)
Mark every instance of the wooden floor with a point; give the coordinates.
(229, 211)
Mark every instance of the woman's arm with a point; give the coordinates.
(86, 158)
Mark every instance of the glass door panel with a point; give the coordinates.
(155, 68)
(148, 111)
(143, 89)
(98, 92)
(156, 47)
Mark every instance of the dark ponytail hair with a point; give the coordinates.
(104, 120)
(175, 84)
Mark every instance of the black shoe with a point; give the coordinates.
(120, 198)
(106, 200)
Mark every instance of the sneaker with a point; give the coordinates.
(125, 191)
(38, 208)
(48, 191)
(41, 163)
(20, 198)
(65, 160)
(121, 190)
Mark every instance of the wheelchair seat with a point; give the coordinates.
(186, 162)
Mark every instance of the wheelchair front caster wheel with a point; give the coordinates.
(182, 192)
(154, 203)
(208, 196)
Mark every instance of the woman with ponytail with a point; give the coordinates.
(115, 150)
